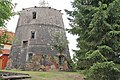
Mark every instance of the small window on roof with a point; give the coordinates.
(34, 15)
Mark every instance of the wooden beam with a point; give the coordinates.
(16, 77)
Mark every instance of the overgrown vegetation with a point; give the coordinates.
(97, 24)
(103, 71)
(61, 43)
(6, 12)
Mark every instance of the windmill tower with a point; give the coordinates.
(35, 40)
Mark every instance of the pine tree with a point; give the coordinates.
(97, 24)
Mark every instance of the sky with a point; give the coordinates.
(57, 4)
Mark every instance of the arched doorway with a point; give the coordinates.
(61, 60)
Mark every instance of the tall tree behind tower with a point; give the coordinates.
(97, 23)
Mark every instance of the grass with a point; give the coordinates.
(53, 75)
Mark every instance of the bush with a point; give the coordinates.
(91, 58)
(103, 71)
(72, 66)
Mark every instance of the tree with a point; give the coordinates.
(61, 44)
(4, 38)
(103, 71)
(97, 24)
(6, 11)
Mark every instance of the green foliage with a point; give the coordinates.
(6, 11)
(97, 24)
(60, 41)
(72, 66)
(4, 38)
(107, 52)
(103, 71)
(96, 56)
(118, 66)
(91, 58)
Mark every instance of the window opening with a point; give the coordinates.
(34, 15)
(25, 44)
(32, 34)
(30, 56)
(61, 60)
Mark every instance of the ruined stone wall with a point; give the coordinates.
(41, 62)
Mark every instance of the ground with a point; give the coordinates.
(53, 75)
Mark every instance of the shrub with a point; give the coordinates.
(90, 59)
(103, 71)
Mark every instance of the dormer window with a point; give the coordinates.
(32, 34)
(34, 15)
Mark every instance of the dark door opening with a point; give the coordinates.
(61, 59)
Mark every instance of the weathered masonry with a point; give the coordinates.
(33, 46)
